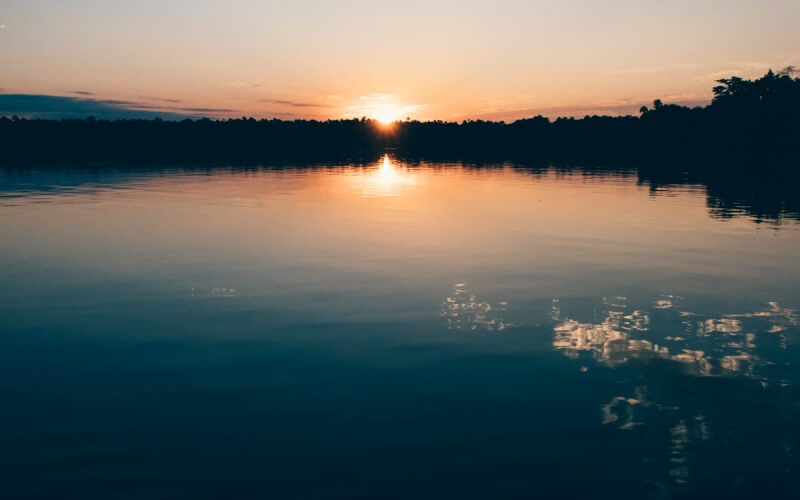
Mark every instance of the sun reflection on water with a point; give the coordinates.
(387, 179)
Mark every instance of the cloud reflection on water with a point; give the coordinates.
(665, 408)
(464, 311)
(686, 384)
(708, 346)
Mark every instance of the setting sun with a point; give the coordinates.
(479, 249)
(387, 113)
(383, 108)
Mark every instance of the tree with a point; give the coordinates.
(730, 86)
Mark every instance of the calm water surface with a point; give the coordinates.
(391, 330)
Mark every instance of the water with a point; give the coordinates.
(392, 330)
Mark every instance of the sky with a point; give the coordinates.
(448, 60)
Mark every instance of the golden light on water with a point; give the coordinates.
(388, 179)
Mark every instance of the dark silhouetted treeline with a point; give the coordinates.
(748, 120)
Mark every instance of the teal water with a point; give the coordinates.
(392, 330)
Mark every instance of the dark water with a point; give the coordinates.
(392, 331)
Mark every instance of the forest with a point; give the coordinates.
(746, 121)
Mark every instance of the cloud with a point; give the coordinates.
(284, 115)
(57, 107)
(749, 69)
(206, 110)
(2, 26)
(160, 99)
(295, 104)
(240, 85)
(620, 107)
(655, 69)
(132, 105)
(382, 106)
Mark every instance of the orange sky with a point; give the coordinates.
(425, 60)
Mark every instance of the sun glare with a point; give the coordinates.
(384, 109)
(385, 179)
(387, 114)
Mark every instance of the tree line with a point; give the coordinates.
(747, 120)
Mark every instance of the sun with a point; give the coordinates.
(386, 117)
(384, 110)
(387, 113)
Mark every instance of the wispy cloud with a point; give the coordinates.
(83, 92)
(160, 99)
(205, 110)
(654, 69)
(154, 107)
(287, 115)
(381, 106)
(746, 69)
(295, 104)
(617, 107)
(750, 69)
(56, 107)
(241, 85)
